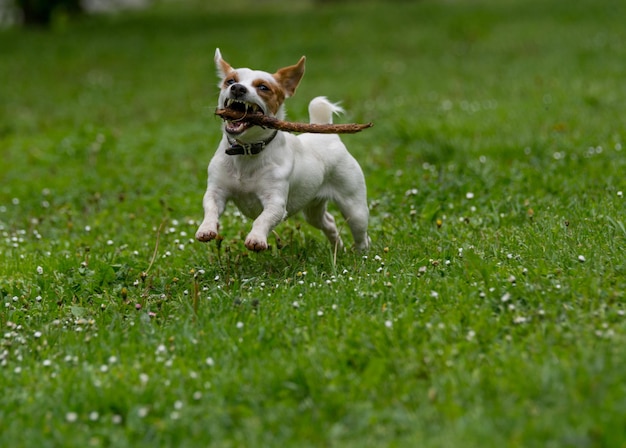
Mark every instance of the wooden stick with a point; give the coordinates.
(262, 120)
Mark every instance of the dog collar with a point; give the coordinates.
(248, 149)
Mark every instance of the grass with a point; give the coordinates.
(489, 312)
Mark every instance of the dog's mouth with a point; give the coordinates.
(235, 127)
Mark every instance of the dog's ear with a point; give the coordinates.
(223, 67)
(289, 77)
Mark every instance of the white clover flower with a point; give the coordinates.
(210, 362)
(161, 349)
(39, 270)
(581, 258)
(511, 279)
(71, 417)
(388, 324)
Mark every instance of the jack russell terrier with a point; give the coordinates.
(271, 175)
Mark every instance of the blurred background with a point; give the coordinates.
(46, 12)
(108, 92)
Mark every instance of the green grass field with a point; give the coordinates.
(490, 311)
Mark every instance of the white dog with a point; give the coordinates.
(271, 175)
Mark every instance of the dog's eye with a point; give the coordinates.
(229, 82)
(263, 87)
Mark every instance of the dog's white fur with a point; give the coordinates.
(292, 173)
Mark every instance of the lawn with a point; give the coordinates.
(490, 310)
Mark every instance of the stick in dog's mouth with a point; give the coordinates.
(236, 115)
(240, 110)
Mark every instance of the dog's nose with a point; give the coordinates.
(238, 90)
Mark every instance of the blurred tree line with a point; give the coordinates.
(40, 12)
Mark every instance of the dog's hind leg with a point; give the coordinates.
(356, 213)
(317, 215)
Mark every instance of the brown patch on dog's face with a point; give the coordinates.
(231, 78)
(272, 95)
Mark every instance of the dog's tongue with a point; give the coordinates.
(236, 127)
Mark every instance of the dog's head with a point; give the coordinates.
(249, 90)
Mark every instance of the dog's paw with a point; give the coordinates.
(256, 244)
(363, 245)
(206, 235)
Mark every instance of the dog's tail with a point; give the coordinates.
(321, 110)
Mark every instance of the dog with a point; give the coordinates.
(271, 175)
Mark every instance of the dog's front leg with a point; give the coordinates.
(213, 204)
(274, 211)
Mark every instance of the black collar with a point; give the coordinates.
(249, 149)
